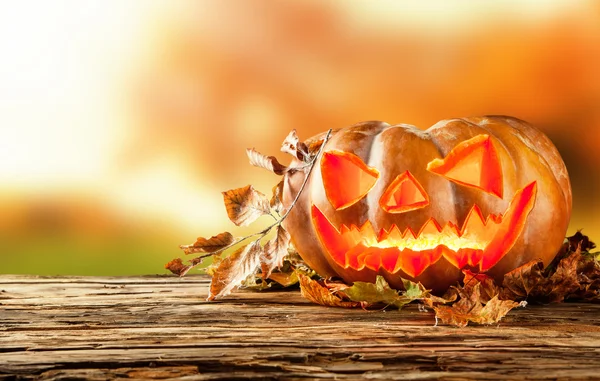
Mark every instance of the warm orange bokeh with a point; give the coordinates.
(122, 121)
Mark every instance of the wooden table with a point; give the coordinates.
(159, 327)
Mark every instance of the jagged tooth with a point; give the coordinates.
(394, 235)
(458, 259)
(409, 233)
(344, 229)
(451, 229)
(413, 263)
(474, 223)
(368, 232)
(430, 227)
(383, 234)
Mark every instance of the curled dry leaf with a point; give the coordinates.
(381, 293)
(275, 251)
(574, 275)
(581, 242)
(285, 279)
(245, 205)
(488, 287)
(565, 280)
(233, 270)
(523, 281)
(294, 147)
(335, 285)
(317, 293)
(276, 199)
(367, 294)
(470, 308)
(210, 245)
(270, 163)
(177, 267)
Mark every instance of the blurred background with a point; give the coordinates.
(122, 121)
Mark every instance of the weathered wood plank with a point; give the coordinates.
(161, 327)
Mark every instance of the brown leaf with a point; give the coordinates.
(232, 270)
(245, 205)
(271, 163)
(495, 310)
(450, 316)
(589, 279)
(177, 267)
(471, 309)
(523, 281)
(276, 202)
(574, 276)
(565, 280)
(319, 294)
(581, 241)
(380, 293)
(210, 245)
(275, 251)
(488, 287)
(449, 296)
(294, 147)
(285, 279)
(335, 285)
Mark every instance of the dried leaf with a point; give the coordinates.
(319, 294)
(471, 309)
(177, 267)
(275, 251)
(574, 276)
(210, 245)
(524, 281)
(581, 242)
(270, 163)
(335, 285)
(381, 293)
(285, 279)
(276, 202)
(496, 309)
(565, 280)
(488, 287)
(255, 283)
(245, 205)
(233, 270)
(294, 147)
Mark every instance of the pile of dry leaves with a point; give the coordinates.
(574, 274)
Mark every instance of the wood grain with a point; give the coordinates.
(160, 327)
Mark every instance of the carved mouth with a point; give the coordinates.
(480, 242)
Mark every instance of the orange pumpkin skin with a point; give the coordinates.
(527, 160)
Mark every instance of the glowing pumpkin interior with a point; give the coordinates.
(480, 242)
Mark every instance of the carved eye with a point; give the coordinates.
(474, 163)
(404, 194)
(346, 178)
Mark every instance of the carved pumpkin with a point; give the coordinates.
(487, 194)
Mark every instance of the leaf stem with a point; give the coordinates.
(311, 164)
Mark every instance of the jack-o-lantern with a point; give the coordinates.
(486, 194)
